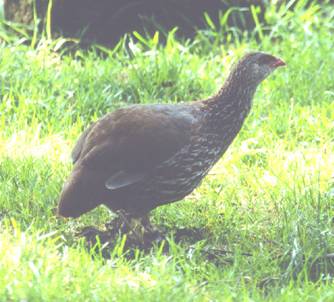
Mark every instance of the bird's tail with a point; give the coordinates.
(81, 193)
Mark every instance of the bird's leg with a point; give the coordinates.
(125, 223)
(152, 234)
(139, 230)
(149, 228)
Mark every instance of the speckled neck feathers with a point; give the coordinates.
(231, 105)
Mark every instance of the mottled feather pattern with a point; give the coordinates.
(143, 156)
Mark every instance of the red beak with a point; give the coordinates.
(278, 62)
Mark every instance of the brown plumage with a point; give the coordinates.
(143, 156)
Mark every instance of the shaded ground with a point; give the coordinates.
(142, 238)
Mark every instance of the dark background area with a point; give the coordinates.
(105, 21)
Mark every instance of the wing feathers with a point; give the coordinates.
(122, 179)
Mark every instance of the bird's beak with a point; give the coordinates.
(278, 62)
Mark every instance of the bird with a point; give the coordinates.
(138, 158)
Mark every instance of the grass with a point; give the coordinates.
(267, 201)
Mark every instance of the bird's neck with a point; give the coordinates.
(237, 92)
(231, 105)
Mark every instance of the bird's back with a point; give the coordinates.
(124, 149)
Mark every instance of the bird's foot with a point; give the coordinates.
(139, 230)
(94, 235)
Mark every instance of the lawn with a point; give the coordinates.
(266, 208)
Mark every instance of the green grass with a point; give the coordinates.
(266, 201)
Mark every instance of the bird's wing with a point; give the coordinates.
(128, 144)
(124, 178)
(76, 152)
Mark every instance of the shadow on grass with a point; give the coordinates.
(111, 243)
(104, 242)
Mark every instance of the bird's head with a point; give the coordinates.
(254, 67)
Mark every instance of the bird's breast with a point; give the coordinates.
(181, 174)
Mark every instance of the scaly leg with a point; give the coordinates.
(138, 229)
